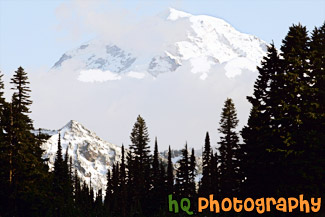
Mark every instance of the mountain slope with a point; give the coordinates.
(91, 155)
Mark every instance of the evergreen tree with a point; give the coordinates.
(260, 165)
(170, 173)
(183, 187)
(98, 206)
(283, 130)
(215, 174)
(316, 123)
(296, 81)
(155, 191)
(115, 207)
(108, 193)
(162, 185)
(294, 111)
(58, 181)
(4, 152)
(68, 185)
(155, 166)
(28, 174)
(77, 192)
(206, 184)
(192, 174)
(123, 199)
(139, 166)
(229, 146)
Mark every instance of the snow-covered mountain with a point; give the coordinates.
(91, 155)
(202, 41)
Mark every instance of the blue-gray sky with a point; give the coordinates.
(33, 33)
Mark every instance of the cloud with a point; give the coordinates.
(96, 75)
(113, 23)
(177, 106)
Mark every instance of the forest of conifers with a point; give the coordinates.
(281, 153)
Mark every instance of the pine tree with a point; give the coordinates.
(77, 192)
(162, 186)
(295, 110)
(139, 166)
(155, 166)
(215, 174)
(68, 185)
(260, 164)
(282, 131)
(183, 175)
(108, 193)
(205, 187)
(192, 174)
(170, 173)
(296, 81)
(4, 152)
(316, 123)
(229, 146)
(115, 207)
(155, 191)
(98, 206)
(28, 174)
(58, 181)
(123, 199)
(3, 104)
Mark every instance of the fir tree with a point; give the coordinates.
(58, 181)
(123, 188)
(162, 185)
(28, 174)
(294, 112)
(4, 152)
(77, 192)
(260, 165)
(316, 123)
(229, 165)
(98, 206)
(205, 187)
(155, 166)
(215, 174)
(108, 193)
(139, 166)
(183, 175)
(115, 208)
(192, 174)
(155, 191)
(170, 173)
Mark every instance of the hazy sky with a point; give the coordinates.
(35, 34)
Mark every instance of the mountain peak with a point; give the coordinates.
(174, 14)
(72, 125)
